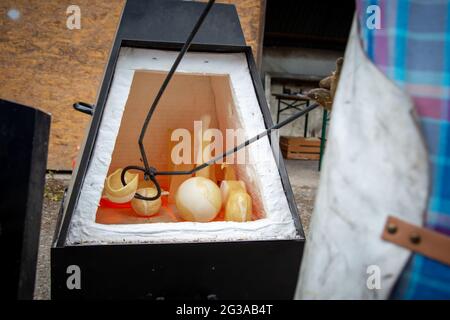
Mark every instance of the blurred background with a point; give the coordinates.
(46, 65)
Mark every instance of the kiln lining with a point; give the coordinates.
(205, 73)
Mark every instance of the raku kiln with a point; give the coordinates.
(117, 253)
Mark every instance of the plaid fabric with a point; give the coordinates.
(413, 49)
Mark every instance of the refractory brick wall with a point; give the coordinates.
(45, 65)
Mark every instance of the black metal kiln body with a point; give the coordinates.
(223, 270)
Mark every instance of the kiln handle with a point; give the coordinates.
(84, 107)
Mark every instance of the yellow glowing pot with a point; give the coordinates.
(144, 207)
(227, 187)
(238, 207)
(116, 192)
(198, 199)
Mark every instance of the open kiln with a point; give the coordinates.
(119, 254)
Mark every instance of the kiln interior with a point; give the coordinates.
(216, 84)
(188, 98)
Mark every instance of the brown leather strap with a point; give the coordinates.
(430, 243)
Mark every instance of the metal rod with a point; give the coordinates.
(153, 172)
(278, 110)
(150, 172)
(242, 145)
(323, 136)
(166, 82)
(305, 132)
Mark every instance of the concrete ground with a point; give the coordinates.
(303, 175)
(54, 190)
(304, 178)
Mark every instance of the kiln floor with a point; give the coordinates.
(168, 213)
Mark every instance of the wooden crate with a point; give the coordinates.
(300, 148)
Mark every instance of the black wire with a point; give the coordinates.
(166, 82)
(149, 171)
(242, 145)
(153, 172)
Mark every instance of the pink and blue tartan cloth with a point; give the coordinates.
(412, 48)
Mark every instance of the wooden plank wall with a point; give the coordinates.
(46, 65)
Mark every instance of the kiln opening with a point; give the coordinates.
(195, 121)
(213, 88)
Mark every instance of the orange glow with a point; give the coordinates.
(109, 204)
(190, 98)
(112, 213)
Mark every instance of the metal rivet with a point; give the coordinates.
(415, 238)
(391, 228)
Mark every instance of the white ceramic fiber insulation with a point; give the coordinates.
(278, 224)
